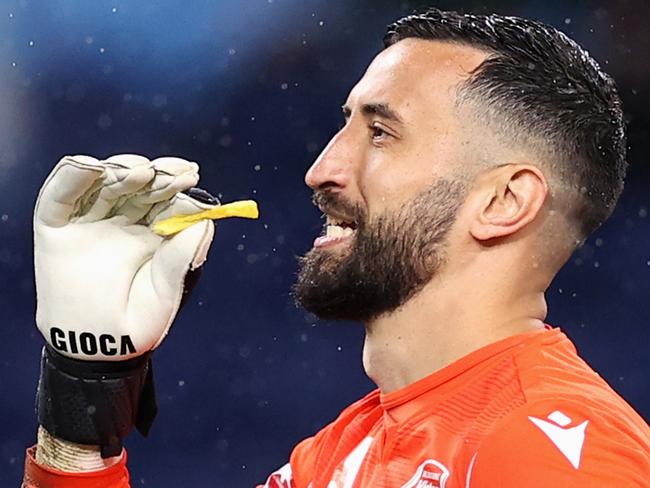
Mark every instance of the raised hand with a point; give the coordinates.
(108, 288)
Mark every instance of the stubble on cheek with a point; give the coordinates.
(388, 260)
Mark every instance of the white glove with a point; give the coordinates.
(108, 288)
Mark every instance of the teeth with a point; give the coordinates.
(335, 221)
(336, 231)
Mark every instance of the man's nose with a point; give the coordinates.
(332, 169)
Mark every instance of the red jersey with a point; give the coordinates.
(522, 412)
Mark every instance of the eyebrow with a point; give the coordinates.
(380, 109)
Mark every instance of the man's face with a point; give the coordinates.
(388, 183)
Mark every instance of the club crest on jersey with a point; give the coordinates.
(430, 474)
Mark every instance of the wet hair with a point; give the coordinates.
(539, 87)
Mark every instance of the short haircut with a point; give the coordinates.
(543, 87)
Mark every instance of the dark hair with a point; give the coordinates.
(551, 90)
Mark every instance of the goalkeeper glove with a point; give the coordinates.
(108, 288)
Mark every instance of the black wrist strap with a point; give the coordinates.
(95, 402)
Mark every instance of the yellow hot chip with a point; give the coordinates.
(244, 208)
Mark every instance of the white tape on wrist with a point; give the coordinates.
(68, 456)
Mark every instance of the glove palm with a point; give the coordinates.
(108, 288)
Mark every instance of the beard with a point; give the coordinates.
(390, 259)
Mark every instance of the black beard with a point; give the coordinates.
(390, 259)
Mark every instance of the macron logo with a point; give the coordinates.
(569, 440)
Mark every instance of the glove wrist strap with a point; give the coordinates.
(95, 402)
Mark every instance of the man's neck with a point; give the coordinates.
(443, 323)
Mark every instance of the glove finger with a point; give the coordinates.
(71, 182)
(173, 175)
(162, 280)
(125, 174)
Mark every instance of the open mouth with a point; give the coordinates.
(338, 229)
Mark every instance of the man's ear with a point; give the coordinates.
(508, 198)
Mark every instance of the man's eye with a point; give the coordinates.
(377, 132)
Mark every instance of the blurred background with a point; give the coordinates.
(252, 89)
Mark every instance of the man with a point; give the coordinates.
(478, 152)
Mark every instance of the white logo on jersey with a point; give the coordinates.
(569, 440)
(345, 475)
(430, 474)
(282, 478)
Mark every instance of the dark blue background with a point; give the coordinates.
(251, 90)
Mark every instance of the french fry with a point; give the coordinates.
(244, 208)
